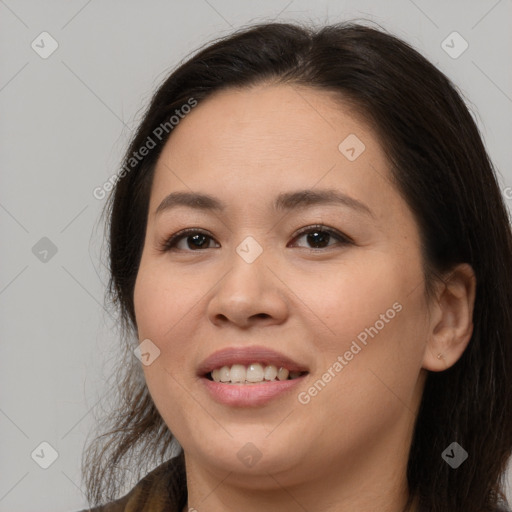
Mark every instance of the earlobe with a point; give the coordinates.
(452, 324)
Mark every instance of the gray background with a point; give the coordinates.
(65, 121)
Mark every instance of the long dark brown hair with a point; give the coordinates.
(439, 165)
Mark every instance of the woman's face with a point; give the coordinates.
(344, 301)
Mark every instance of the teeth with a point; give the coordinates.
(270, 372)
(237, 373)
(282, 374)
(253, 373)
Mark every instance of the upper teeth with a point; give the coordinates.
(255, 372)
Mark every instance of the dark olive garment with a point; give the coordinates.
(165, 490)
(162, 490)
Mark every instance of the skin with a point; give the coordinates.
(346, 449)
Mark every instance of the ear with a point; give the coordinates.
(451, 320)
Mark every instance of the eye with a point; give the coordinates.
(319, 235)
(196, 239)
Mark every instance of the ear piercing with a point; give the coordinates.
(440, 356)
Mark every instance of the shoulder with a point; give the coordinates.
(163, 489)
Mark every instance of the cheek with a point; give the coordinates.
(168, 312)
(373, 317)
(161, 300)
(163, 310)
(349, 299)
(375, 363)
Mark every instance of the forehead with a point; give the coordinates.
(271, 138)
(277, 115)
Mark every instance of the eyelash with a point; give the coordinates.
(169, 243)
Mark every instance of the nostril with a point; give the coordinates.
(262, 315)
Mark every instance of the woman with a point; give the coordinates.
(308, 241)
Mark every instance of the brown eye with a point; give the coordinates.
(194, 240)
(320, 236)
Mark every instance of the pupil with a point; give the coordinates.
(323, 238)
(195, 238)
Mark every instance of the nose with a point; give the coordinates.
(248, 294)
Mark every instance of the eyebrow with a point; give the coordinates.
(285, 201)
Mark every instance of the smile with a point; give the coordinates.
(252, 373)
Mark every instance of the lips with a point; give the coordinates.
(246, 356)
